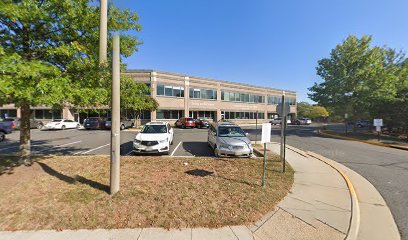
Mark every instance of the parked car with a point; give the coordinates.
(363, 123)
(61, 124)
(155, 137)
(302, 121)
(6, 127)
(228, 139)
(202, 123)
(34, 123)
(124, 123)
(278, 121)
(185, 122)
(94, 123)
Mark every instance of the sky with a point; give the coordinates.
(273, 43)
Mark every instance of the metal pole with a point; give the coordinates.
(103, 31)
(115, 128)
(264, 168)
(283, 119)
(284, 145)
(256, 126)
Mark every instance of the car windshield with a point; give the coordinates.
(154, 129)
(230, 132)
(91, 120)
(57, 120)
(7, 120)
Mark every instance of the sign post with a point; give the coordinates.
(283, 109)
(378, 123)
(266, 137)
(345, 121)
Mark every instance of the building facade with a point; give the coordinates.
(189, 96)
(186, 96)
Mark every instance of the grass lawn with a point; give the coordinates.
(68, 192)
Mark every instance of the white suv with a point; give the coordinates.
(155, 137)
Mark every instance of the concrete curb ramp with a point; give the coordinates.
(324, 133)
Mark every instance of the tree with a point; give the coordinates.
(136, 97)
(318, 112)
(304, 109)
(357, 77)
(49, 55)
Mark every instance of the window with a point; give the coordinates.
(170, 91)
(203, 93)
(241, 97)
(242, 115)
(169, 114)
(160, 90)
(8, 112)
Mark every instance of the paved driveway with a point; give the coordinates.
(187, 142)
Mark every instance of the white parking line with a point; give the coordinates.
(93, 149)
(178, 145)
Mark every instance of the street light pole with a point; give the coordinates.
(115, 128)
(283, 125)
(103, 31)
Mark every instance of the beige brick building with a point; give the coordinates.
(187, 96)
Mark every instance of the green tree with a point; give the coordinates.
(135, 97)
(304, 109)
(318, 112)
(357, 77)
(50, 54)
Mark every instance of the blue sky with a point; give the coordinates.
(273, 43)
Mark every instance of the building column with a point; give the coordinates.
(218, 102)
(186, 96)
(67, 113)
(19, 112)
(153, 85)
(266, 107)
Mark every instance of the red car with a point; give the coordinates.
(185, 122)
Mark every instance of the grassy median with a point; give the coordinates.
(72, 193)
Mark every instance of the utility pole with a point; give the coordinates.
(103, 32)
(283, 123)
(115, 128)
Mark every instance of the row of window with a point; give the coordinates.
(242, 115)
(197, 93)
(170, 91)
(8, 113)
(241, 97)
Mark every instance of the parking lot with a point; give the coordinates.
(187, 142)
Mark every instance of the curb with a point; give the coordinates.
(321, 132)
(354, 226)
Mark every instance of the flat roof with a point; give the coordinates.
(209, 79)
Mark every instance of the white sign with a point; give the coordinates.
(266, 132)
(378, 128)
(378, 122)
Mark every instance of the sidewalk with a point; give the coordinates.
(319, 206)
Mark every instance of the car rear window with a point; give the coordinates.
(189, 119)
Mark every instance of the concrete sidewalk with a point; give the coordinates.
(318, 206)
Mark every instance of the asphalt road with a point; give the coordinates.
(187, 142)
(385, 168)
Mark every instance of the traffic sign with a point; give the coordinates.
(266, 132)
(378, 122)
(283, 109)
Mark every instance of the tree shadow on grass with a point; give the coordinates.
(73, 180)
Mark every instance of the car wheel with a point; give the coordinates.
(183, 126)
(2, 136)
(122, 127)
(40, 126)
(78, 126)
(63, 127)
(171, 143)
